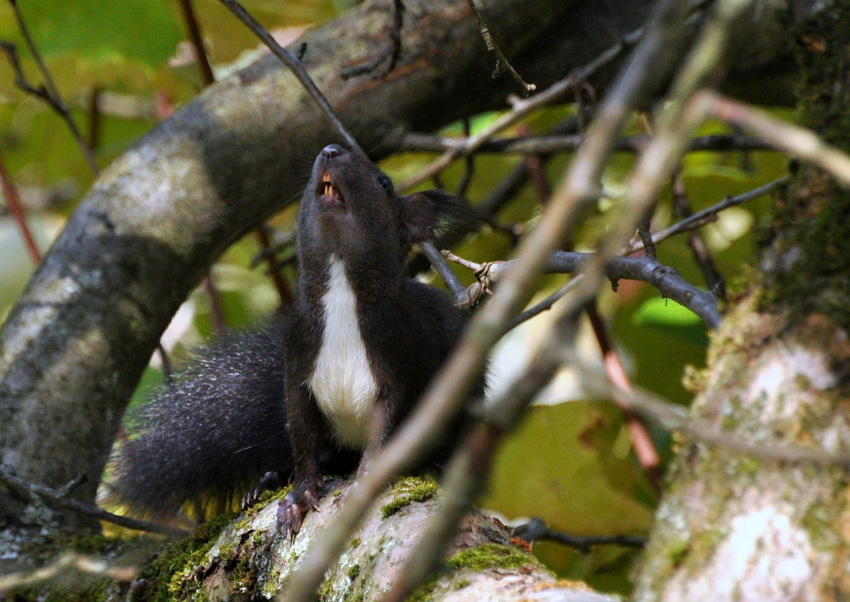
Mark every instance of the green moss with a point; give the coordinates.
(818, 521)
(407, 491)
(423, 593)
(676, 551)
(485, 556)
(491, 556)
(166, 577)
(807, 248)
(354, 542)
(267, 497)
(354, 571)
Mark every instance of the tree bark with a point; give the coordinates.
(484, 560)
(731, 527)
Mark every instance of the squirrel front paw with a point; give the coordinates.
(293, 508)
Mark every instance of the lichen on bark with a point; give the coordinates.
(732, 527)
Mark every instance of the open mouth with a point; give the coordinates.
(329, 193)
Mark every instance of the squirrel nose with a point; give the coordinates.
(332, 150)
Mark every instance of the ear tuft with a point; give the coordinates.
(434, 214)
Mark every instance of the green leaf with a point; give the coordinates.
(104, 32)
(562, 466)
(672, 318)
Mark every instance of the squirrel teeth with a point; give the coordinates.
(328, 189)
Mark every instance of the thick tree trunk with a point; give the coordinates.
(731, 527)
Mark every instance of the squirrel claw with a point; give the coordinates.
(293, 508)
(289, 518)
(269, 481)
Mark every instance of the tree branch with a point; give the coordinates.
(296, 67)
(61, 500)
(48, 92)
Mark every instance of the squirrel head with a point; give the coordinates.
(350, 208)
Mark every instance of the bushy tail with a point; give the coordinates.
(209, 436)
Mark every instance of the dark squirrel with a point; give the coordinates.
(311, 392)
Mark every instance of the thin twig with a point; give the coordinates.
(65, 561)
(537, 530)
(521, 108)
(702, 256)
(260, 233)
(524, 145)
(646, 268)
(451, 281)
(51, 93)
(794, 140)
(28, 490)
(296, 67)
(675, 418)
(501, 60)
(16, 210)
(197, 39)
(95, 118)
(642, 444)
(700, 218)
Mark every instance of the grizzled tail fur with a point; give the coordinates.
(211, 433)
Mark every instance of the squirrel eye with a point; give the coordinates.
(386, 184)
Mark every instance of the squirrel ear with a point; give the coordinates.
(428, 213)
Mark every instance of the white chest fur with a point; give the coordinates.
(342, 381)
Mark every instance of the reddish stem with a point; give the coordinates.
(16, 209)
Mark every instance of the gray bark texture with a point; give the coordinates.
(730, 527)
(483, 562)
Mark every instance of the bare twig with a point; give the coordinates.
(414, 141)
(513, 182)
(675, 418)
(260, 233)
(48, 92)
(523, 107)
(442, 267)
(645, 451)
(95, 118)
(702, 257)
(54, 498)
(537, 530)
(296, 67)
(197, 39)
(646, 268)
(16, 210)
(65, 561)
(502, 62)
(794, 140)
(709, 214)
